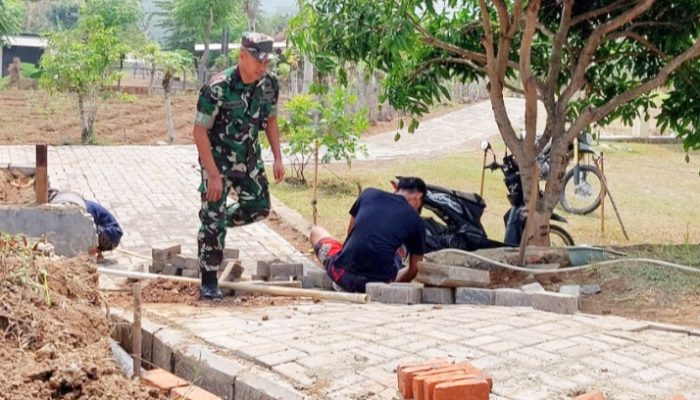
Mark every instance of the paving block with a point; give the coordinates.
(170, 269)
(555, 302)
(165, 252)
(263, 270)
(473, 389)
(164, 341)
(286, 269)
(307, 282)
(157, 266)
(572, 290)
(190, 273)
(406, 372)
(469, 295)
(231, 272)
(232, 254)
(321, 279)
(438, 295)
(451, 276)
(513, 298)
(597, 395)
(179, 260)
(255, 387)
(163, 380)
(193, 393)
(280, 278)
(208, 370)
(192, 263)
(533, 287)
(395, 294)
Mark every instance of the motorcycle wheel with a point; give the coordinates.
(558, 237)
(582, 197)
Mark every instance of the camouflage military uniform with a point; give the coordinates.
(234, 114)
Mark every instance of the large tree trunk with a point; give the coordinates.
(204, 59)
(167, 78)
(308, 75)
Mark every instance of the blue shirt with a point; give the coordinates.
(383, 222)
(104, 221)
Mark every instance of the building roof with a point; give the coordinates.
(231, 46)
(26, 41)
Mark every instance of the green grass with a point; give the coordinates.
(656, 192)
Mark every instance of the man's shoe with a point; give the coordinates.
(210, 292)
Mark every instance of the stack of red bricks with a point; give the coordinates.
(175, 387)
(441, 380)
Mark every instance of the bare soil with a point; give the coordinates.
(16, 188)
(54, 330)
(28, 116)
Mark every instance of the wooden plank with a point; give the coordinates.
(41, 183)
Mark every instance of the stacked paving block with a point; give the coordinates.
(440, 380)
(278, 271)
(168, 260)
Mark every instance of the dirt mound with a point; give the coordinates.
(54, 331)
(16, 188)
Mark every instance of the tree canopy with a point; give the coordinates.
(587, 62)
(11, 15)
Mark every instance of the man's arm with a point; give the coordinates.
(351, 225)
(409, 273)
(272, 131)
(214, 181)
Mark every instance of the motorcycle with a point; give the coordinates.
(459, 213)
(582, 190)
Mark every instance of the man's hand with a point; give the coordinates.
(215, 187)
(278, 170)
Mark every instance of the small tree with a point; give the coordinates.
(80, 61)
(315, 127)
(170, 63)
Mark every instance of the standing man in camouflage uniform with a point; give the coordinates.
(232, 108)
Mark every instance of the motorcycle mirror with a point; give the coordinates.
(485, 145)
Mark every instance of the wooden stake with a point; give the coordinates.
(41, 183)
(136, 331)
(617, 213)
(314, 200)
(602, 195)
(534, 194)
(483, 173)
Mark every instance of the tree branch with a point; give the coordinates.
(487, 41)
(600, 11)
(640, 39)
(592, 43)
(428, 38)
(590, 116)
(557, 46)
(545, 31)
(527, 77)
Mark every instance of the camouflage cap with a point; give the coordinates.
(257, 44)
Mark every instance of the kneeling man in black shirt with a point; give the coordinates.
(383, 227)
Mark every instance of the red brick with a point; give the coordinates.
(678, 397)
(460, 367)
(430, 383)
(406, 372)
(162, 379)
(193, 393)
(472, 389)
(418, 384)
(598, 395)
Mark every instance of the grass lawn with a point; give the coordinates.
(656, 192)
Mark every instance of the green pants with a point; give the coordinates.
(253, 205)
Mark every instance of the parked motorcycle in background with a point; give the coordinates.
(582, 190)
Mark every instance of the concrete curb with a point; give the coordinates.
(168, 349)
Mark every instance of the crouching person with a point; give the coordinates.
(383, 227)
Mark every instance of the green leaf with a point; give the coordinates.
(397, 136)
